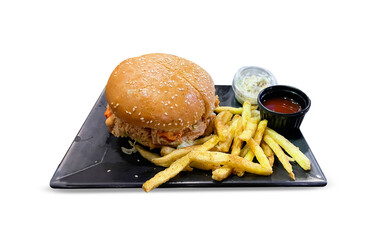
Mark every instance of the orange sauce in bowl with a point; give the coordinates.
(282, 105)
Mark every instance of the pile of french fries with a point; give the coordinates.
(240, 143)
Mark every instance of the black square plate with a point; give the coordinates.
(95, 160)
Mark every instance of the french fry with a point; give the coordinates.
(168, 173)
(167, 160)
(204, 166)
(229, 160)
(225, 171)
(280, 155)
(260, 131)
(268, 151)
(257, 138)
(271, 159)
(236, 110)
(238, 172)
(255, 113)
(176, 167)
(245, 150)
(237, 142)
(230, 109)
(258, 151)
(292, 150)
(200, 141)
(220, 121)
(249, 155)
(165, 150)
(250, 129)
(148, 155)
(224, 146)
(246, 113)
(221, 173)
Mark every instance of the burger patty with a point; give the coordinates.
(153, 137)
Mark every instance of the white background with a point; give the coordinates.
(55, 59)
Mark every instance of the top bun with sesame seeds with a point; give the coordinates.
(162, 94)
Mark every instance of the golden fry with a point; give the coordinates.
(167, 160)
(237, 142)
(250, 129)
(202, 140)
(260, 131)
(221, 173)
(150, 156)
(258, 135)
(292, 150)
(229, 160)
(245, 150)
(258, 151)
(236, 110)
(255, 113)
(224, 146)
(271, 159)
(280, 155)
(168, 173)
(246, 113)
(165, 150)
(230, 109)
(268, 151)
(220, 121)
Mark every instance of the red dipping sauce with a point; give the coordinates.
(282, 105)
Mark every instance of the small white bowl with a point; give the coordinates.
(249, 81)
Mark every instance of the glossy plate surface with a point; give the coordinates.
(95, 160)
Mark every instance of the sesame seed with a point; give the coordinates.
(166, 114)
(169, 124)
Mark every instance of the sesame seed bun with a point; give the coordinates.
(160, 91)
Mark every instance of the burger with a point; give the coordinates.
(160, 100)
